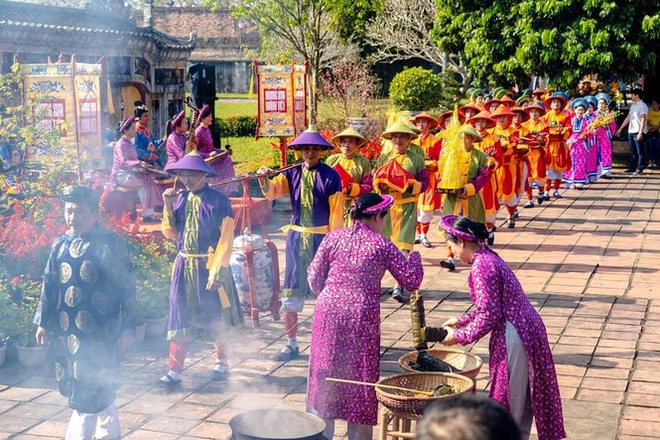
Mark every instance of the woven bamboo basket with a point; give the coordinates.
(468, 363)
(410, 404)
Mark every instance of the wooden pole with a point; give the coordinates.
(376, 385)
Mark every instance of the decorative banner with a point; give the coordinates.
(281, 100)
(67, 97)
(87, 79)
(300, 100)
(49, 94)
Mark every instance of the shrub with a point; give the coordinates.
(416, 89)
(237, 126)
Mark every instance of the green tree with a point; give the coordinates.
(509, 41)
(352, 16)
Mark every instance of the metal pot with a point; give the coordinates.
(276, 424)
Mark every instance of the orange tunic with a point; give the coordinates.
(557, 156)
(490, 145)
(432, 145)
(508, 172)
(536, 156)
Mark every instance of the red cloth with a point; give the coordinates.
(392, 175)
(346, 179)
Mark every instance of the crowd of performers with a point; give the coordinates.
(352, 221)
(138, 156)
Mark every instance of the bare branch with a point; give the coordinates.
(402, 31)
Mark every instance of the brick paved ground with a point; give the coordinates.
(589, 262)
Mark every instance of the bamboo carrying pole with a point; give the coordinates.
(390, 387)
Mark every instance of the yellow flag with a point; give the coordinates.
(111, 105)
(251, 92)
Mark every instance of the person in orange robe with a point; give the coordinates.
(492, 105)
(535, 129)
(519, 117)
(490, 145)
(427, 201)
(507, 173)
(468, 111)
(557, 156)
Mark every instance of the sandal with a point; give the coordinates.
(288, 353)
(169, 381)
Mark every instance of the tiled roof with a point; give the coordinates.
(30, 16)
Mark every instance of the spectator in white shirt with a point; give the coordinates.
(637, 126)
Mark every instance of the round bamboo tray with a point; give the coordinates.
(468, 363)
(410, 404)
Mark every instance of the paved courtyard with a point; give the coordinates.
(589, 262)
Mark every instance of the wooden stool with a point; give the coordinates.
(395, 425)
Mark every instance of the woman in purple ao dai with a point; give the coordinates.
(177, 128)
(604, 134)
(224, 167)
(522, 370)
(346, 274)
(578, 144)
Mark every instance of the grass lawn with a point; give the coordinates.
(224, 108)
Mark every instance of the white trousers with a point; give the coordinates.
(101, 425)
(424, 216)
(520, 403)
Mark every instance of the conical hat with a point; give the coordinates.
(445, 115)
(191, 162)
(538, 91)
(491, 101)
(484, 116)
(548, 101)
(535, 106)
(522, 100)
(469, 106)
(424, 115)
(520, 110)
(502, 110)
(468, 129)
(398, 127)
(506, 100)
(349, 132)
(311, 136)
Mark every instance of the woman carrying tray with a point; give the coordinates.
(522, 370)
(346, 274)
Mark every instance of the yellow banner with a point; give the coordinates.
(87, 80)
(67, 97)
(50, 96)
(281, 100)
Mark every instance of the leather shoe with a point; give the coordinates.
(425, 242)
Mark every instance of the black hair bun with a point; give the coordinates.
(137, 103)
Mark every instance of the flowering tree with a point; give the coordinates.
(350, 85)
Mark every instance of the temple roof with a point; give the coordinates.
(28, 16)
